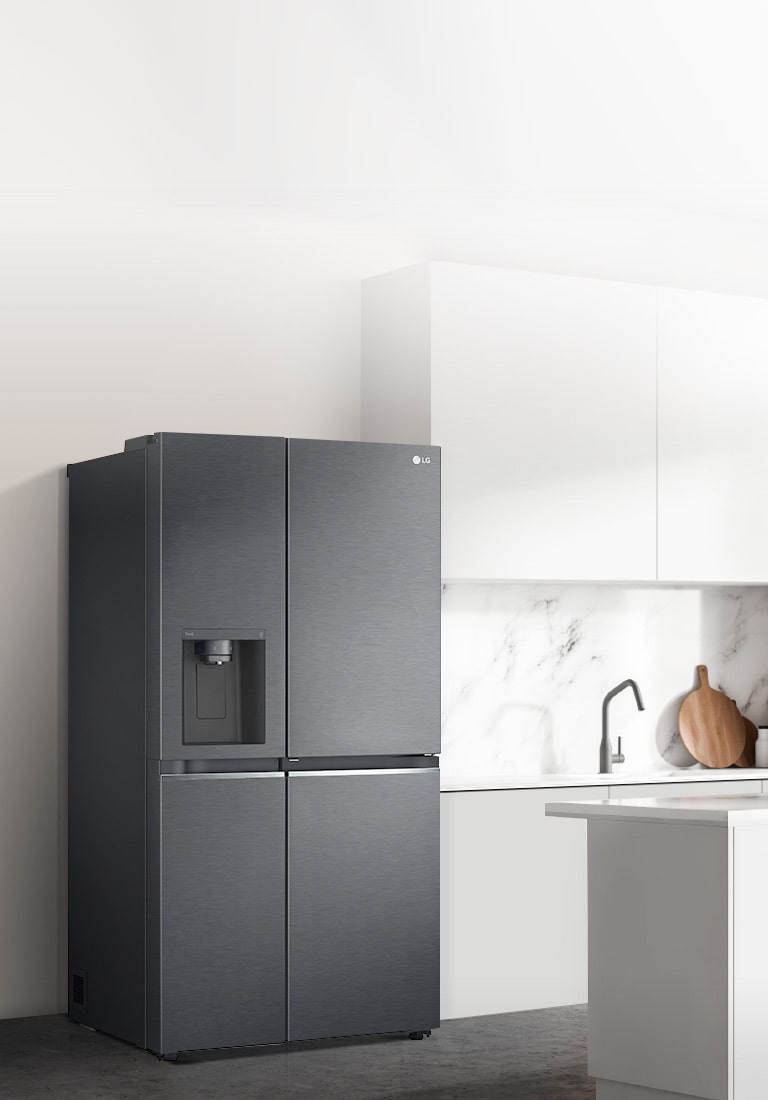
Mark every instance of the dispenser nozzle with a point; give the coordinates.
(214, 651)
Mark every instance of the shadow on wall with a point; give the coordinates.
(670, 747)
(33, 751)
(734, 630)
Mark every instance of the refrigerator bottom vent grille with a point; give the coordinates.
(78, 988)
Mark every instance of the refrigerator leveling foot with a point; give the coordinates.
(419, 1034)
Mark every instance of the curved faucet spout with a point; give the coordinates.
(607, 757)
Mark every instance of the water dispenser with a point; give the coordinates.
(223, 684)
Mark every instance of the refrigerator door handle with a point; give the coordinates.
(188, 776)
(368, 771)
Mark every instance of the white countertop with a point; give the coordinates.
(722, 810)
(696, 774)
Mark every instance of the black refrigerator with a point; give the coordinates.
(254, 722)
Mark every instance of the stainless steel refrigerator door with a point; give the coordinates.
(221, 544)
(364, 908)
(223, 910)
(364, 599)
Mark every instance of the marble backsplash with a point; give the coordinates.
(525, 668)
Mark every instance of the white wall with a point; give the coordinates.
(613, 138)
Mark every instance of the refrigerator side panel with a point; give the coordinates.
(223, 911)
(153, 685)
(364, 598)
(364, 903)
(107, 745)
(223, 517)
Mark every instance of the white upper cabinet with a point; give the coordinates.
(541, 390)
(713, 417)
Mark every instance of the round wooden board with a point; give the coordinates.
(710, 725)
(747, 758)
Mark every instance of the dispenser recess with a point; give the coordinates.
(224, 688)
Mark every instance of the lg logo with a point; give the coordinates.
(417, 460)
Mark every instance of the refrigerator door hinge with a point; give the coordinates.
(139, 442)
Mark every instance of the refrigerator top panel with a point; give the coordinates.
(363, 598)
(216, 541)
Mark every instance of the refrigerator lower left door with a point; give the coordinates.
(223, 910)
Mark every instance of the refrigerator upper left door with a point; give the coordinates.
(217, 536)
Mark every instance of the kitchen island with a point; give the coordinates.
(678, 946)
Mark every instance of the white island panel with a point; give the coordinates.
(678, 980)
(658, 956)
(750, 963)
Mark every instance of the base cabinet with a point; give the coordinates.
(514, 903)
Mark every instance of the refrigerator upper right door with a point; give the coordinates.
(363, 598)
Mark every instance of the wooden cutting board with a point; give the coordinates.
(710, 725)
(747, 758)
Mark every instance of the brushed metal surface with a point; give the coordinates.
(364, 598)
(223, 912)
(364, 914)
(223, 563)
(153, 688)
(106, 741)
(153, 934)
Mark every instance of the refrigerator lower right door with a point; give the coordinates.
(364, 902)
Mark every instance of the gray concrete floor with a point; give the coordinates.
(538, 1055)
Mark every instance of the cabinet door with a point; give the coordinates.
(223, 910)
(364, 903)
(363, 599)
(544, 404)
(713, 351)
(514, 888)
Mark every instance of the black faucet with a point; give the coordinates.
(608, 758)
